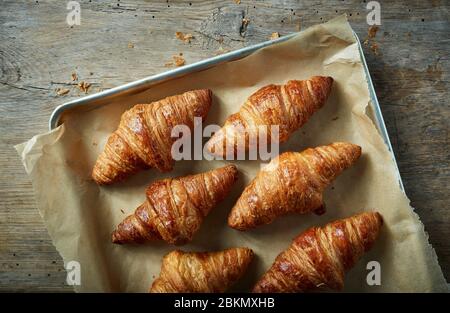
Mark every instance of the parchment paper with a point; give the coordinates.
(80, 215)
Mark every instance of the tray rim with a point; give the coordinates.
(210, 62)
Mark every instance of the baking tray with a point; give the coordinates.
(142, 84)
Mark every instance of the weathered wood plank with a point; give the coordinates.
(39, 51)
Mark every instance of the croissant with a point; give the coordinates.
(289, 106)
(175, 207)
(292, 182)
(143, 139)
(201, 271)
(320, 257)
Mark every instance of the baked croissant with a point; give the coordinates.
(143, 139)
(175, 207)
(289, 106)
(292, 182)
(320, 257)
(201, 271)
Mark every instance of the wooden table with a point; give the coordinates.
(121, 41)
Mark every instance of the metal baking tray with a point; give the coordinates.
(146, 82)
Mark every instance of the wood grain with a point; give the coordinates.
(39, 51)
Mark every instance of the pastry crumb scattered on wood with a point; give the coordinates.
(130, 45)
(237, 1)
(372, 32)
(84, 86)
(245, 21)
(178, 60)
(370, 41)
(74, 76)
(274, 35)
(186, 38)
(62, 91)
(374, 47)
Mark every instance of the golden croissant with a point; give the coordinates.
(320, 257)
(143, 139)
(175, 207)
(201, 271)
(292, 182)
(288, 106)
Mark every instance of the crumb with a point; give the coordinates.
(94, 143)
(84, 86)
(62, 91)
(74, 76)
(130, 45)
(245, 21)
(372, 32)
(91, 73)
(186, 38)
(179, 60)
(274, 35)
(123, 212)
(237, 1)
(335, 118)
(220, 40)
(374, 48)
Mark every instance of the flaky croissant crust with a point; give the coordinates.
(143, 139)
(175, 207)
(320, 257)
(292, 183)
(289, 106)
(201, 271)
